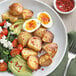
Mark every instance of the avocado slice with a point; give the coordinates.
(16, 27)
(19, 66)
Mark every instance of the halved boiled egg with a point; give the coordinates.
(45, 19)
(31, 25)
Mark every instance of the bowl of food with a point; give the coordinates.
(33, 39)
(64, 6)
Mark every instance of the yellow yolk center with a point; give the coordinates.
(44, 18)
(31, 25)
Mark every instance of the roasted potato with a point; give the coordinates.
(33, 62)
(45, 60)
(16, 9)
(10, 17)
(27, 14)
(35, 43)
(51, 49)
(40, 32)
(26, 52)
(48, 37)
(23, 38)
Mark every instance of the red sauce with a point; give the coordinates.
(65, 5)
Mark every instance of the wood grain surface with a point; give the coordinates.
(69, 20)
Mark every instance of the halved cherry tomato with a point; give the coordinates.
(14, 52)
(2, 24)
(20, 47)
(15, 43)
(5, 31)
(1, 35)
(3, 66)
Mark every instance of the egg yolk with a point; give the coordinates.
(31, 25)
(44, 18)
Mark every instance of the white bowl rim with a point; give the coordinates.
(54, 3)
(63, 26)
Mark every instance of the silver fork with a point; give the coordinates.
(70, 55)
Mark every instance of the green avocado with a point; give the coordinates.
(17, 26)
(19, 66)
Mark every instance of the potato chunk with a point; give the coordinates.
(51, 49)
(16, 9)
(48, 37)
(45, 60)
(40, 32)
(26, 52)
(27, 14)
(10, 17)
(33, 62)
(35, 43)
(23, 38)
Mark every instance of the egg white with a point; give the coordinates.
(38, 25)
(46, 25)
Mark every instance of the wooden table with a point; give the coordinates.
(69, 20)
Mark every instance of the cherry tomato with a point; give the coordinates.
(20, 47)
(14, 52)
(3, 66)
(5, 31)
(2, 24)
(15, 43)
(1, 35)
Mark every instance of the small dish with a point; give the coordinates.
(63, 12)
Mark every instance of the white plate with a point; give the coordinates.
(58, 28)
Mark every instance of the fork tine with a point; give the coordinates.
(71, 43)
(73, 46)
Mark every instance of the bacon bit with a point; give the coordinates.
(15, 26)
(39, 67)
(10, 61)
(16, 63)
(32, 42)
(36, 69)
(39, 51)
(34, 38)
(20, 67)
(23, 38)
(42, 69)
(35, 62)
(18, 71)
(11, 72)
(21, 29)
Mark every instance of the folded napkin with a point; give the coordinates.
(72, 67)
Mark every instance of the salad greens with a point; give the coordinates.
(5, 52)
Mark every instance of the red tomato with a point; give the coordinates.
(14, 52)
(1, 35)
(3, 66)
(20, 47)
(5, 31)
(2, 24)
(15, 43)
